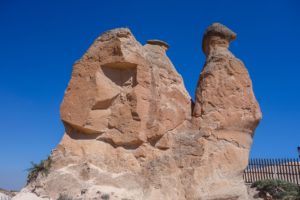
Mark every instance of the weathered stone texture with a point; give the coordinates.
(133, 133)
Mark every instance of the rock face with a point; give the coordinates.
(125, 93)
(132, 131)
(226, 111)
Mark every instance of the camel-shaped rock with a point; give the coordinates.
(133, 132)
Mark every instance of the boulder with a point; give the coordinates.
(133, 132)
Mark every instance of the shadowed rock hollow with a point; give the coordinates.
(132, 131)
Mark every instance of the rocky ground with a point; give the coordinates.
(6, 194)
(253, 193)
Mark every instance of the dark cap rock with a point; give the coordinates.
(217, 29)
(158, 43)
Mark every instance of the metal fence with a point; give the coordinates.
(280, 169)
(4, 197)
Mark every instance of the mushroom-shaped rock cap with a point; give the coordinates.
(217, 29)
(158, 43)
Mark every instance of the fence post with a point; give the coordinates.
(282, 169)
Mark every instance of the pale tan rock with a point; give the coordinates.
(224, 97)
(120, 89)
(26, 195)
(227, 111)
(131, 131)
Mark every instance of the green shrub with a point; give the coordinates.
(105, 196)
(278, 189)
(64, 197)
(43, 167)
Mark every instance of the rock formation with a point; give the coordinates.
(133, 132)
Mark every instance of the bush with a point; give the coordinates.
(64, 197)
(105, 196)
(278, 189)
(43, 167)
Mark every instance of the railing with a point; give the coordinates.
(2, 197)
(282, 169)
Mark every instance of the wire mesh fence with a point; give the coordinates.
(279, 169)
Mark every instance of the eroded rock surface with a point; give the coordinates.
(133, 133)
(125, 93)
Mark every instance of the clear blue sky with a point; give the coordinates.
(40, 40)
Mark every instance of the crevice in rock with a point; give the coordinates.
(127, 146)
(104, 104)
(75, 132)
(154, 139)
(122, 74)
